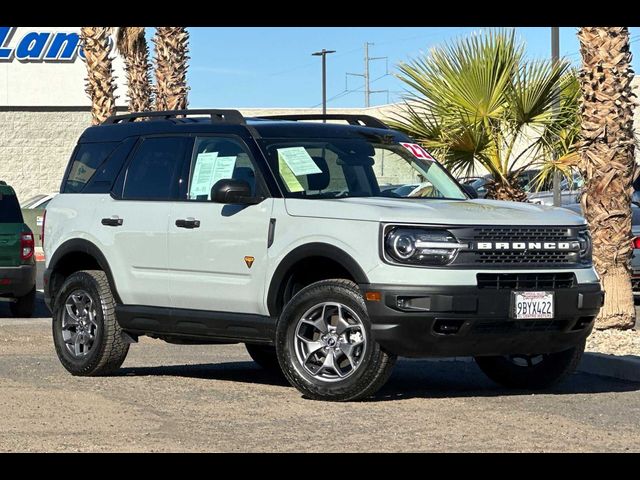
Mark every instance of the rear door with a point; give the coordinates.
(11, 226)
(133, 221)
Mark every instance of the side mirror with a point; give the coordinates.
(469, 190)
(233, 191)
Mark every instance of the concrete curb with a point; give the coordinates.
(623, 367)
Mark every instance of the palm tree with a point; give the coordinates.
(100, 85)
(607, 162)
(171, 67)
(478, 102)
(131, 43)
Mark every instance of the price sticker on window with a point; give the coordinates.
(417, 151)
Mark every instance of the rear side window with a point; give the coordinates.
(10, 209)
(153, 172)
(88, 157)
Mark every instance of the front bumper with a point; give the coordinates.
(472, 321)
(17, 281)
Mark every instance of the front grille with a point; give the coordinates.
(518, 257)
(520, 326)
(525, 257)
(526, 281)
(531, 234)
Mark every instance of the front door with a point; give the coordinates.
(218, 252)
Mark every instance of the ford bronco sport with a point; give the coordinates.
(205, 227)
(17, 262)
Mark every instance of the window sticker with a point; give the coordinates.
(209, 169)
(203, 174)
(223, 168)
(417, 151)
(299, 161)
(289, 179)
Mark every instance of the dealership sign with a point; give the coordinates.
(40, 46)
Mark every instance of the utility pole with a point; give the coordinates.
(555, 57)
(323, 54)
(367, 77)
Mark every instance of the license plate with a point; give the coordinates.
(532, 305)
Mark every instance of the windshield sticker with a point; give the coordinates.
(289, 179)
(417, 151)
(299, 161)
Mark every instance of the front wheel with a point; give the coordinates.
(325, 346)
(531, 371)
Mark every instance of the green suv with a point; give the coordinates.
(17, 262)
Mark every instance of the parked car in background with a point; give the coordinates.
(33, 213)
(17, 263)
(479, 184)
(38, 201)
(569, 192)
(635, 257)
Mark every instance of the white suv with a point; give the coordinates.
(205, 227)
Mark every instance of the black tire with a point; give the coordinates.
(374, 366)
(549, 369)
(264, 355)
(23, 306)
(108, 350)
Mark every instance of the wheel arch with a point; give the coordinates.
(330, 255)
(75, 255)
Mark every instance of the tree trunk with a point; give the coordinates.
(100, 85)
(171, 67)
(607, 163)
(509, 191)
(133, 46)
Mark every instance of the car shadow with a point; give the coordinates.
(245, 372)
(410, 379)
(40, 309)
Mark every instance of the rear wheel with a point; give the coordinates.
(325, 346)
(531, 371)
(23, 306)
(86, 334)
(264, 355)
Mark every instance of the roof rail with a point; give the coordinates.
(217, 116)
(366, 120)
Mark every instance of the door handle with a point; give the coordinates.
(187, 223)
(113, 221)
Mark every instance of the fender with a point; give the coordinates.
(311, 250)
(82, 246)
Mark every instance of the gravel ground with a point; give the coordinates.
(615, 342)
(173, 398)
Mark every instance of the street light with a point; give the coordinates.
(323, 54)
(555, 57)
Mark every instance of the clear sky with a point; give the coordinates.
(273, 66)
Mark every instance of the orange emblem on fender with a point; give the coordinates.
(249, 261)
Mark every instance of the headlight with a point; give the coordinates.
(584, 239)
(421, 246)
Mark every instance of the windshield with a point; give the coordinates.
(340, 168)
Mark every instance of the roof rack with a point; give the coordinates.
(217, 116)
(366, 120)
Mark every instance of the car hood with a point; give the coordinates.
(444, 212)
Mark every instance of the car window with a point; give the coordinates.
(153, 172)
(10, 209)
(88, 157)
(219, 158)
